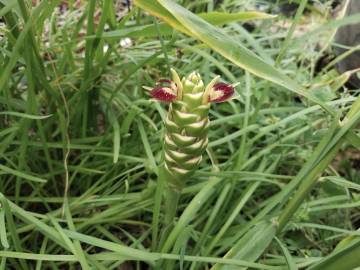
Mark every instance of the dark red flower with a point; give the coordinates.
(163, 94)
(221, 92)
(164, 90)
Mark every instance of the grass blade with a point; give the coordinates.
(346, 258)
(21, 174)
(190, 24)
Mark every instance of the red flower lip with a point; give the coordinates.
(221, 92)
(165, 90)
(162, 94)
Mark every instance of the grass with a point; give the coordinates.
(81, 141)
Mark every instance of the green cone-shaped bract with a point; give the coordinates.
(187, 125)
(187, 122)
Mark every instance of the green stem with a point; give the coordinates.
(160, 187)
(172, 193)
(172, 197)
(190, 211)
(157, 207)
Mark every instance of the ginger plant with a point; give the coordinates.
(187, 125)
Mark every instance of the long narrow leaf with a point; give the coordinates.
(190, 24)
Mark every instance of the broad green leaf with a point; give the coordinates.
(215, 18)
(347, 241)
(220, 18)
(250, 246)
(154, 8)
(346, 258)
(190, 24)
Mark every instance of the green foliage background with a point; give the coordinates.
(81, 141)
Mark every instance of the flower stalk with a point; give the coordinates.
(187, 125)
